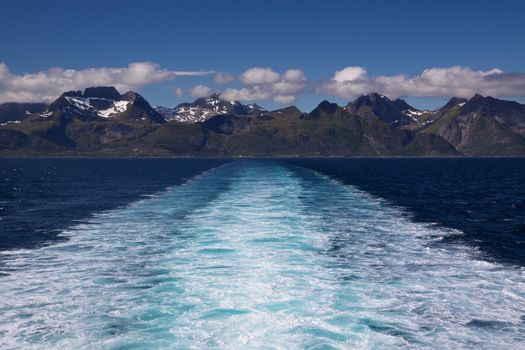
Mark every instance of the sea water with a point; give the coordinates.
(258, 254)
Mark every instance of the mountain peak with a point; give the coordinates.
(373, 96)
(292, 108)
(107, 92)
(328, 107)
(511, 112)
(131, 96)
(102, 102)
(204, 108)
(453, 102)
(391, 112)
(376, 96)
(401, 104)
(72, 93)
(477, 97)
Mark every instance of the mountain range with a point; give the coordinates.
(100, 121)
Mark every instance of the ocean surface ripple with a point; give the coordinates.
(258, 254)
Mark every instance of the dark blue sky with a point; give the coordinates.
(318, 37)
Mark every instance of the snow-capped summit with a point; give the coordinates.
(102, 102)
(204, 108)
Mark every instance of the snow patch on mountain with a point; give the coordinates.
(415, 112)
(89, 105)
(80, 103)
(11, 122)
(414, 115)
(118, 107)
(206, 107)
(187, 114)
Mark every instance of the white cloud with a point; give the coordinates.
(348, 82)
(245, 94)
(259, 75)
(449, 81)
(264, 83)
(201, 91)
(294, 75)
(283, 99)
(48, 85)
(223, 78)
(286, 88)
(352, 73)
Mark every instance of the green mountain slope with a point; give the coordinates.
(100, 121)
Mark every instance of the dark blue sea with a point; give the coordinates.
(265, 254)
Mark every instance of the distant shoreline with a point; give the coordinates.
(96, 156)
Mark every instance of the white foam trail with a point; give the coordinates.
(257, 255)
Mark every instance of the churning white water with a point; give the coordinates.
(255, 254)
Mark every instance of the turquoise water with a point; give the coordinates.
(255, 254)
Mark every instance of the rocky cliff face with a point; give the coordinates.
(482, 126)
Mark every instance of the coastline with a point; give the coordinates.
(239, 157)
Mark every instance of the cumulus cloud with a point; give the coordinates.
(283, 99)
(201, 91)
(47, 85)
(449, 81)
(259, 75)
(294, 75)
(352, 73)
(245, 94)
(264, 83)
(348, 82)
(223, 78)
(506, 84)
